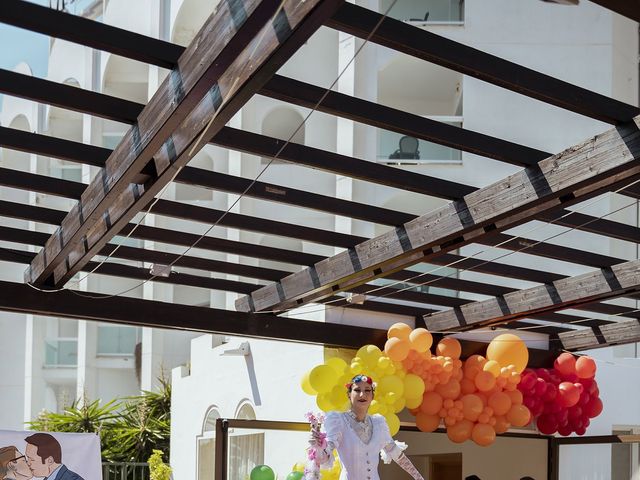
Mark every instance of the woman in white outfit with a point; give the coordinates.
(360, 439)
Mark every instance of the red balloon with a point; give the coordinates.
(565, 364)
(593, 408)
(547, 424)
(565, 431)
(575, 412)
(527, 380)
(562, 417)
(541, 387)
(551, 393)
(585, 367)
(543, 373)
(584, 399)
(568, 394)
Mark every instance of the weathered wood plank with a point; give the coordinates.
(569, 292)
(210, 75)
(568, 177)
(617, 333)
(231, 27)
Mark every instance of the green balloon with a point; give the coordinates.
(295, 476)
(262, 472)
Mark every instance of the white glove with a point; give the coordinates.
(408, 467)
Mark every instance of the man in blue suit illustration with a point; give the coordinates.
(44, 457)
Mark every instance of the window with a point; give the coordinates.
(207, 446)
(246, 447)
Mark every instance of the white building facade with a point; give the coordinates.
(63, 359)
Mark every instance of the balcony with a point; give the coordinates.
(61, 352)
(394, 150)
(117, 340)
(422, 12)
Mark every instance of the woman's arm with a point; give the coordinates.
(408, 467)
(393, 451)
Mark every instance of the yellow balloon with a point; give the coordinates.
(369, 354)
(338, 395)
(374, 407)
(413, 402)
(493, 367)
(394, 423)
(324, 403)
(399, 405)
(298, 467)
(338, 364)
(384, 362)
(391, 383)
(306, 386)
(413, 386)
(509, 349)
(322, 378)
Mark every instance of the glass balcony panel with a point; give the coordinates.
(390, 150)
(61, 352)
(117, 340)
(422, 11)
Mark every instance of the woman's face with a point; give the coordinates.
(361, 395)
(21, 468)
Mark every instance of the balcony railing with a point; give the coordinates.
(117, 340)
(392, 152)
(426, 11)
(61, 352)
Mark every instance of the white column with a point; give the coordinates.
(87, 372)
(34, 382)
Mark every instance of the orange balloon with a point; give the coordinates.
(427, 423)
(519, 415)
(565, 364)
(449, 347)
(451, 389)
(483, 434)
(485, 381)
(472, 407)
(516, 397)
(397, 349)
(421, 340)
(509, 349)
(585, 367)
(501, 425)
(460, 432)
(500, 402)
(467, 386)
(399, 330)
(473, 365)
(431, 403)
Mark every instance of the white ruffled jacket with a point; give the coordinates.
(360, 460)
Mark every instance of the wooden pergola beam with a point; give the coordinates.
(69, 189)
(21, 298)
(211, 82)
(467, 60)
(617, 333)
(581, 172)
(571, 292)
(98, 35)
(380, 116)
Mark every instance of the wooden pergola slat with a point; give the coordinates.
(20, 298)
(211, 82)
(580, 172)
(98, 35)
(570, 292)
(69, 189)
(467, 60)
(618, 333)
(380, 116)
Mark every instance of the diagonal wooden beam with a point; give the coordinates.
(571, 292)
(581, 172)
(211, 82)
(467, 60)
(628, 8)
(617, 333)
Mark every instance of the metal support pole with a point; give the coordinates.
(222, 448)
(553, 459)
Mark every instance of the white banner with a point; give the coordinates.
(50, 455)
